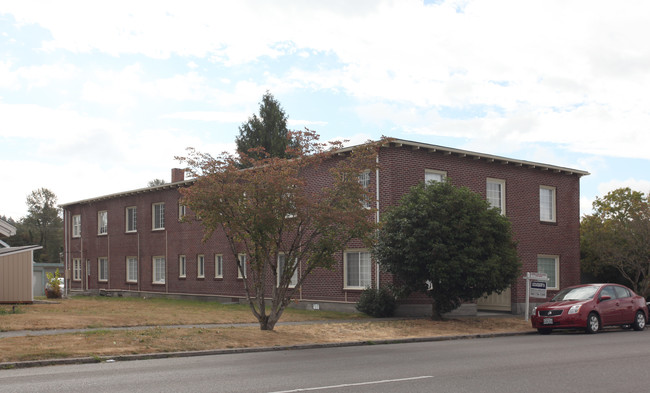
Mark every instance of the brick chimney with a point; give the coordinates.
(177, 175)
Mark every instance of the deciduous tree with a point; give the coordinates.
(617, 236)
(447, 242)
(272, 212)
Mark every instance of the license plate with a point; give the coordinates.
(548, 321)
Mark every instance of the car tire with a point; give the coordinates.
(544, 331)
(593, 323)
(639, 321)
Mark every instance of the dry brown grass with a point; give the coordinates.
(105, 342)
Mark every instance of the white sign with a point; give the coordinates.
(537, 276)
(538, 289)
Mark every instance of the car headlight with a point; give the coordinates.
(534, 311)
(574, 309)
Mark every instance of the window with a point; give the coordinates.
(131, 269)
(431, 175)
(200, 266)
(131, 219)
(182, 266)
(549, 264)
(242, 266)
(102, 222)
(218, 266)
(158, 216)
(102, 269)
(182, 210)
(357, 269)
(158, 270)
(496, 194)
(364, 180)
(281, 266)
(76, 226)
(76, 269)
(547, 203)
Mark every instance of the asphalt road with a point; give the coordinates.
(611, 361)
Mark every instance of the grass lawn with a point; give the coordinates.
(99, 313)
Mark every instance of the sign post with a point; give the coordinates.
(535, 287)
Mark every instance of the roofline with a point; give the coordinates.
(7, 229)
(476, 156)
(391, 142)
(19, 249)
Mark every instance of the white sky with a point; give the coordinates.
(99, 98)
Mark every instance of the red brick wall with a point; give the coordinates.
(401, 168)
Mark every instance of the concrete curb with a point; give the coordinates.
(163, 355)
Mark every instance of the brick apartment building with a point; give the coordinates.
(133, 242)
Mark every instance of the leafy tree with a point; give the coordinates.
(268, 131)
(617, 236)
(43, 225)
(155, 182)
(272, 212)
(447, 242)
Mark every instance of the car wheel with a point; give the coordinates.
(593, 323)
(544, 331)
(639, 321)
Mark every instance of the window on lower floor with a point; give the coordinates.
(76, 225)
(550, 264)
(158, 270)
(131, 269)
(357, 269)
(102, 269)
(76, 269)
(281, 267)
(218, 266)
(242, 266)
(158, 216)
(200, 266)
(131, 219)
(182, 266)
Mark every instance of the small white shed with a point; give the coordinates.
(16, 274)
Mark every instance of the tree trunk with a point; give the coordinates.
(435, 313)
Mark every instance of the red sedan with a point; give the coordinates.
(591, 307)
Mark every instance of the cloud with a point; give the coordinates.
(211, 116)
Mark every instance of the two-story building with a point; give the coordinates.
(134, 241)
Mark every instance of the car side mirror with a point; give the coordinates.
(605, 297)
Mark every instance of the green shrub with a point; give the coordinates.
(53, 286)
(378, 303)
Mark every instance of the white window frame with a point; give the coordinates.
(200, 266)
(363, 282)
(543, 209)
(364, 180)
(556, 260)
(76, 269)
(158, 218)
(218, 266)
(102, 222)
(131, 222)
(242, 260)
(158, 268)
(102, 269)
(182, 211)
(294, 279)
(182, 266)
(76, 225)
(434, 172)
(502, 191)
(132, 269)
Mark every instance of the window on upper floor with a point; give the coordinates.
(102, 222)
(496, 194)
(131, 269)
(158, 216)
(547, 204)
(131, 219)
(357, 269)
(182, 211)
(431, 175)
(364, 180)
(76, 225)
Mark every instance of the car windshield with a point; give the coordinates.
(578, 293)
